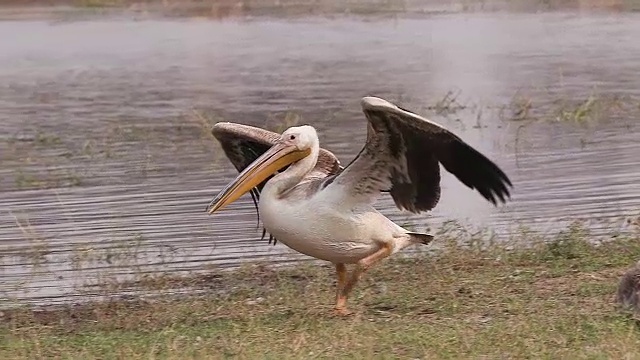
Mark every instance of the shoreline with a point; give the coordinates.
(290, 9)
(555, 299)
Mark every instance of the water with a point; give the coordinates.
(107, 168)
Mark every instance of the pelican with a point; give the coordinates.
(315, 206)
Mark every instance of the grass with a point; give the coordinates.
(591, 109)
(554, 299)
(219, 9)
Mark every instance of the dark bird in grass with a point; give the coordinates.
(628, 295)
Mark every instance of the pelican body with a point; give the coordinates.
(332, 231)
(313, 205)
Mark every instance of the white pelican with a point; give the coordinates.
(324, 210)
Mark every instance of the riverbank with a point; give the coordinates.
(220, 9)
(555, 299)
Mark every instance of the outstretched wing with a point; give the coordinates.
(403, 152)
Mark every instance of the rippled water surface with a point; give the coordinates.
(108, 164)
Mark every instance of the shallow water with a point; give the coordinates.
(107, 169)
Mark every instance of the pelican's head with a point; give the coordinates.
(294, 144)
(302, 137)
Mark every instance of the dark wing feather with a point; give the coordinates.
(402, 154)
(243, 144)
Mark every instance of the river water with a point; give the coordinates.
(107, 163)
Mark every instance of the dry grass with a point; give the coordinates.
(220, 9)
(555, 300)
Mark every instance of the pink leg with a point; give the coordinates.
(362, 266)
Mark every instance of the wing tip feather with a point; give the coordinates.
(221, 128)
(376, 103)
(492, 182)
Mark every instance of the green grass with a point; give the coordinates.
(553, 300)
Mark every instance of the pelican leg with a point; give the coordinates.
(341, 270)
(362, 266)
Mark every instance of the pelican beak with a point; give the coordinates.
(276, 158)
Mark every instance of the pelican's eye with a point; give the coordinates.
(292, 137)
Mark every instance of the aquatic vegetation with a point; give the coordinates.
(449, 104)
